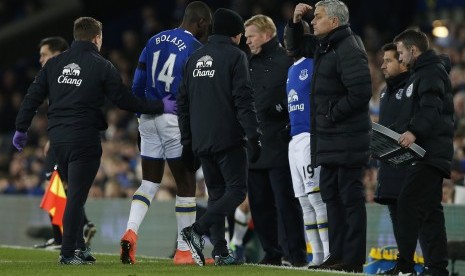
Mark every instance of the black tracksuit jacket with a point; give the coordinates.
(76, 83)
(393, 101)
(430, 118)
(215, 100)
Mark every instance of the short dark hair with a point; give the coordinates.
(195, 11)
(411, 38)
(391, 47)
(55, 44)
(86, 28)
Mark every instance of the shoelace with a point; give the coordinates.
(229, 259)
(73, 260)
(85, 255)
(85, 252)
(198, 240)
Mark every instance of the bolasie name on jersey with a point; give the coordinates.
(175, 41)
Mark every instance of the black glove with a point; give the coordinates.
(191, 162)
(254, 148)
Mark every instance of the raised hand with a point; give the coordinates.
(300, 10)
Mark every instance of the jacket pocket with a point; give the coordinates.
(329, 114)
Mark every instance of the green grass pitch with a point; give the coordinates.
(23, 261)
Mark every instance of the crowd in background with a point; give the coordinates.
(119, 174)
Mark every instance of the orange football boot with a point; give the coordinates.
(128, 247)
(185, 258)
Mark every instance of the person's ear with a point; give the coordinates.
(201, 22)
(95, 39)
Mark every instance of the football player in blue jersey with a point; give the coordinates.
(157, 77)
(306, 182)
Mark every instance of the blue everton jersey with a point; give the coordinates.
(299, 79)
(161, 63)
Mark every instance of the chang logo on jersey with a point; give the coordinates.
(303, 74)
(69, 73)
(409, 90)
(295, 107)
(399, 94)
(292, 96)
(202, 67)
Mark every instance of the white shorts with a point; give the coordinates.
(160, 136)
(299, 162)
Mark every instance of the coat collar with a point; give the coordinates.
(221, 39)
(397, 81)
(85, 45)
(269, 46)
(430, 57)
(334, 37)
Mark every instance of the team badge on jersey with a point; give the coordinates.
(202, 67)
(69, 74)
(303, 74)
(409, 90)
(399, 94)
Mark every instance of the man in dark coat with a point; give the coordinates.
(393, 101)
(341, 125)
(76, 83)
(430, 124)
(216, 118)
(276, 213)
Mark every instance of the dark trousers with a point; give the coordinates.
(423, 235)
(277, 215)
(79, 164)
(419, 206)
(342, 190)
(226, 177)
(56, 232)
(57, 235)
(50, 162)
